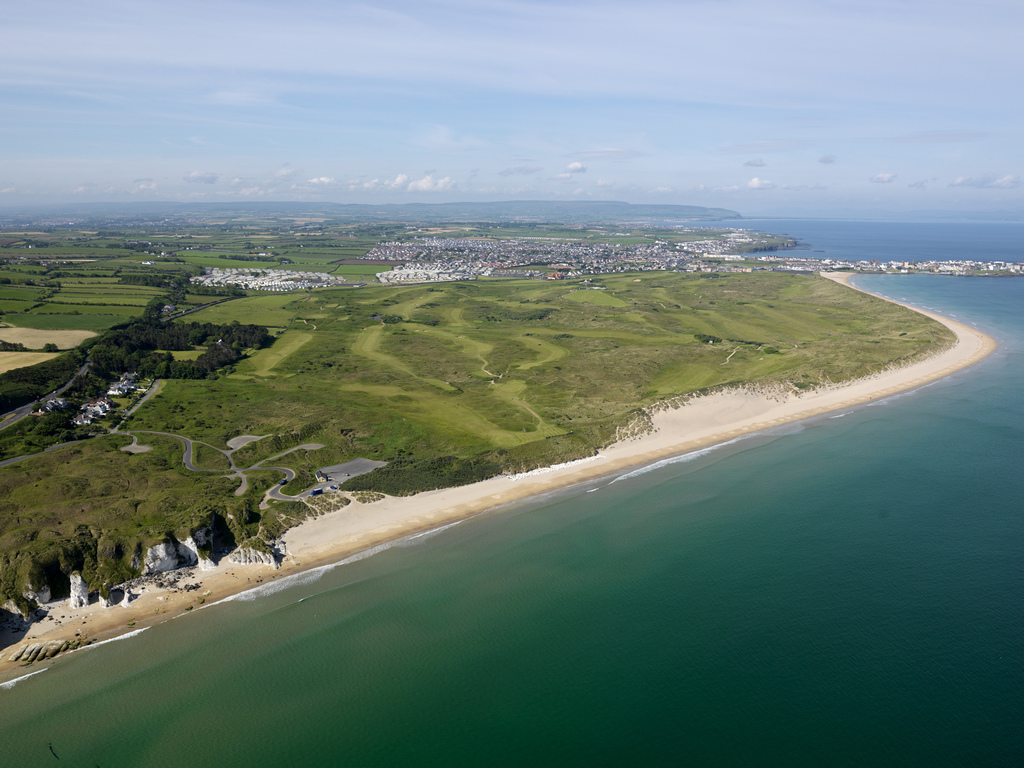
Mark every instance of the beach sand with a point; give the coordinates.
(697, 423)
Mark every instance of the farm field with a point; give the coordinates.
(36, 339)
(11, 360)
(447, 382)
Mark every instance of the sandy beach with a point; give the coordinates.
(695, 424)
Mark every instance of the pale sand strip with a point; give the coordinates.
(699, 423)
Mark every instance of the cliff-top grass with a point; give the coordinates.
(501, 375)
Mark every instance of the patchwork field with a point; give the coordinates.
(11, 360)
(34, 338)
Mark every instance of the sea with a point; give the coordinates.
(842, 591)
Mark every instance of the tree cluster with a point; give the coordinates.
(134, 348)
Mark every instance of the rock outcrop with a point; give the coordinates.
(79, 592)
(161, 557)
(38, 596)
(189, 549)
(41, 651)
(250, 556)
(171, 554)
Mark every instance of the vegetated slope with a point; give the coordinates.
(515, 374)
(449, 383)
(94, 509)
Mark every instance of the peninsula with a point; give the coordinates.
(667, 427)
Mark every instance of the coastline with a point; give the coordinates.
(696, 424)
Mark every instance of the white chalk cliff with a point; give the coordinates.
(79, 592)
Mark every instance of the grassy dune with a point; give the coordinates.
(446, 382)
(526, 367)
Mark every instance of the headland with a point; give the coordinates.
(676, 428)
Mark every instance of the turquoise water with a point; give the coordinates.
(846, 591)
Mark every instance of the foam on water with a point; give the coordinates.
(125, 636)
(682, 459)
(11, 683)
(408, 540)
(315, 574)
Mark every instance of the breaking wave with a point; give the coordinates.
(682, 459)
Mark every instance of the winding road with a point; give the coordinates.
(233, 469)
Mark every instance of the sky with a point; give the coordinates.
(782, 107)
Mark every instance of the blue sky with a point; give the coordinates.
(762, 107)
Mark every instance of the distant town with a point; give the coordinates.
(442, 259)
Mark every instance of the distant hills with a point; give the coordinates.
(565, 212)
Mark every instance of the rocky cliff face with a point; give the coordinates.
(79, 592)
(172, 554)
(250, 556)
(37, 596)
(190, 547)
(161, 557)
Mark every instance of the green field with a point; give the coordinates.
(447, 382)
(272, 310)
(469, 369)
(263, 362)
(55, 322)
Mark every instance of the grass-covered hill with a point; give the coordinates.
(447, 382)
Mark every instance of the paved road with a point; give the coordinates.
(13, 417)
(152, 391)
(176, 315)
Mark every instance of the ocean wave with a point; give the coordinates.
(682, 459)
(313, 575)
(125, 636)
(407, 540)
(11, 683)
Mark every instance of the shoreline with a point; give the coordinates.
(678, 429)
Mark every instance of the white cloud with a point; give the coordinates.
(525, 170)
(429, 184)
(605, 183)
(376, 184)
(570, 170)
(662, 190)
(755, 163)
(921, 184)
(201, 177)
(285, 172)
(756, 183)
(989, 181)
(804, 187)
(731, 188)
(883, 178)
(322, 181)
(8, 191)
